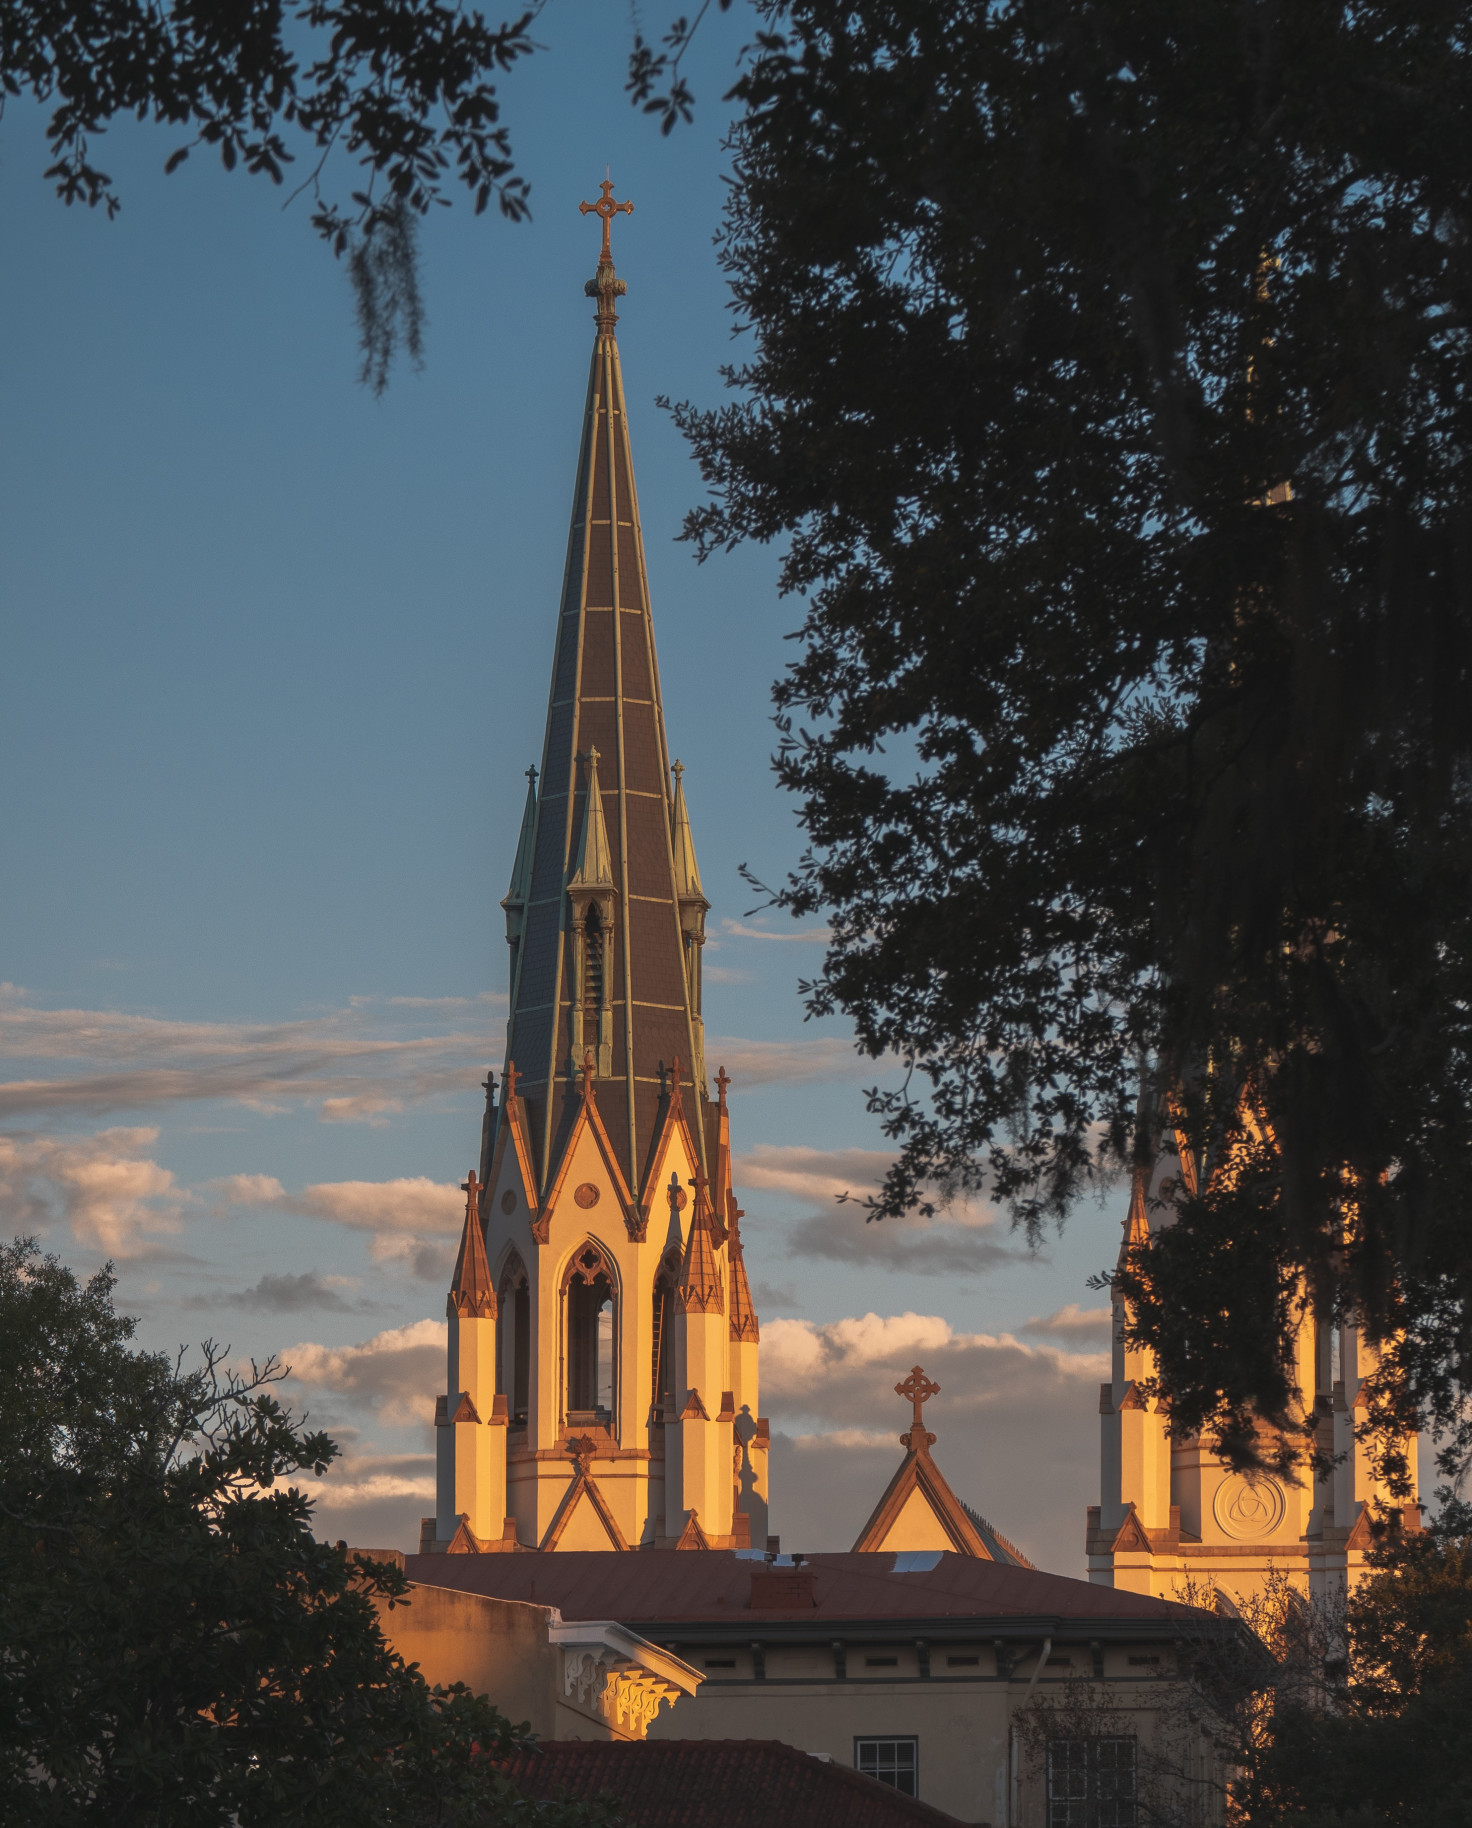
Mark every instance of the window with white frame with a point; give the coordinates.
(1091, 1782)
(893, 1761)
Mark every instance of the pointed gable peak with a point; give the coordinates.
(918, 1509)
(593, 860)
(687, 870)
(472, 1293)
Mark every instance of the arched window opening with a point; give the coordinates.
(662, 1369)
(593, 966)
(590, 1335)
(514, 1343)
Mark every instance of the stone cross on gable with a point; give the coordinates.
(919, 1389)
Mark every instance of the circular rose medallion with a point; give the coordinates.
(1248, 1507)
(508, 1201)
(586, 1195)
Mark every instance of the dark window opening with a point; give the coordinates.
(590, 1354)
(892, 1761)
(662, 1368)
(881, 1662)
(1091, 1783)
(963, 1662)
(1144, 1659)
(720, 1662)
(593, 962)
(514, 1345)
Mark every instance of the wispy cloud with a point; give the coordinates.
(104, 1187)
(1073, 1324)
(413, 1222)
(396, 1374)
(963, 1239)
(289, 1294)
(802, 936)
(752, 1063)
(356, 1064)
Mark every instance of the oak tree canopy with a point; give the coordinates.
(1107, 380)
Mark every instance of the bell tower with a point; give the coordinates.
(1174, 1521)
(625, 1397)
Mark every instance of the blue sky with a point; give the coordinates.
(276, 659)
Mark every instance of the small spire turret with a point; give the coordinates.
(519, 893)
(472, 1293)
(700, 1275)
(593, 861)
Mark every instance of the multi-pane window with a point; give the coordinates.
(892, 1761)
(1091, 1782)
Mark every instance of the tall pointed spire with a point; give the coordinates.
(603, 966)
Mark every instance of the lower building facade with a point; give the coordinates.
(993, 1692)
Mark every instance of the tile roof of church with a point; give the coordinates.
(605, 695)
(657, 1589)
(740, 1783)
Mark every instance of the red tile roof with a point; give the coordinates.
(714, 1585)
(719, 1783)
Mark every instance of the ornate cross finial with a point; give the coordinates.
(588, 1078)
(509, 1082)
(723, 1079)
(471, 1189)
(607, 209)
(531, 775)
(677, 769)
(676, 1095)
(918, 1389)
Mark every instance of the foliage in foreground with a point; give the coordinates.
(1384, 1742)
(178, 1647)
(1110, 384)
(1290, 1713)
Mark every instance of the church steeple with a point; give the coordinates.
(615, 1394)
(602, 944)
